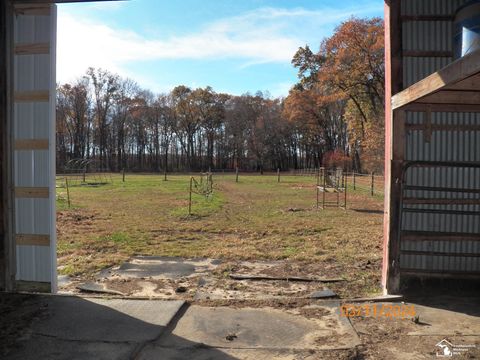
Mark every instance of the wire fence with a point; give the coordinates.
(369, 183)
(202, 183)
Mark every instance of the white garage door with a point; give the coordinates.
(34, 145)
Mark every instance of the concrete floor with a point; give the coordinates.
(216, 317)
(69, 327)
(86, 328)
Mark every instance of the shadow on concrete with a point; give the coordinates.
(456, 295)
(80, 328)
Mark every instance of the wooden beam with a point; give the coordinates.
(429, 236)
(438, 253)
(32, 192)
(4, 247)
(395, 193)
(430, 54)
(33, 286)
(428, 17)
(32, 96)
(41, 2)
(460, 69)
(31, 144)
(32, 9)
(471, 83)
(444, 274)
(427, 201)
(32, 239)
(438, 127)
(421, 107)
(457, 164)
(32, 49)
(441, 189)
(452, 97)
(441, 211)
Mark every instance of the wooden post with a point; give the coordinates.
(345, 190)
(324, 187)
(123, 175)
(318, 186)
(337, 187)
(373, 186)
(165, 175)
(236, 174)
(354, 183)
(278, 175)
(68, 192)
(190, 198)
(84, 175)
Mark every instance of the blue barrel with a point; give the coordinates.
(467, 29)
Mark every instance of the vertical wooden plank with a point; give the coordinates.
(52, 152)
(6, 80)
(3, 119)
(393, 85)
(396, 171)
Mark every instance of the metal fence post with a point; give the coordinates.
(68, 192)
(190, 198)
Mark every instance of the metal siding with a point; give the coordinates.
(450, 146)
(35, 168)
(430, 7)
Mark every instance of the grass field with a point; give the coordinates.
(256, 218)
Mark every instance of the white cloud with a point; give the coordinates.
(106, 5)
(261, 36)
(281, 89)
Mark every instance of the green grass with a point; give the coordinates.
(256, 218)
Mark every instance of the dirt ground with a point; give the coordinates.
(255, 219)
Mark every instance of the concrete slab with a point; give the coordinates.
(98, 288)
(74, 318)
(156, 352)
(158, 267)
(313, 327)
(63, 281)
(41, 347)
(253, 290)
(443, 322)
(160, 277)
(322, 294)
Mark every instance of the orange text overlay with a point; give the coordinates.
(378, 310)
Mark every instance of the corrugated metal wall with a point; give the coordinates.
(34, 119)
(447, 145)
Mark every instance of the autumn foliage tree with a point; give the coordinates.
(332, 117)
(347, 71)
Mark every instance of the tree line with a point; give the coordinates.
(333, 116)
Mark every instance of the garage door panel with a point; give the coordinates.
(32, 120)
(34, 147)
(38, 271)
(32, 29)
(32, 72)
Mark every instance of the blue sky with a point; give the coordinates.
(235, 46)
